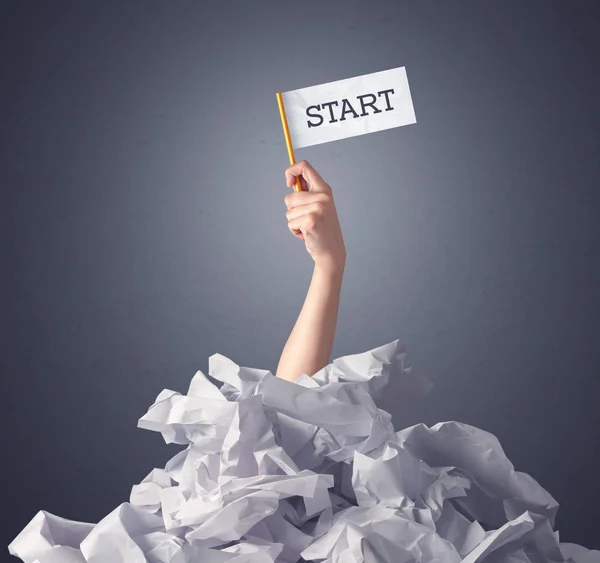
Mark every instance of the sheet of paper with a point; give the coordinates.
(272, 471)
(349, 107)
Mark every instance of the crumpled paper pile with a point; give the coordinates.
(281, 472)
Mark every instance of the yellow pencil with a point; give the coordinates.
(288, 140)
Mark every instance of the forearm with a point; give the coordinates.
(310, 343)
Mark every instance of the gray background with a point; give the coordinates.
(143, 225)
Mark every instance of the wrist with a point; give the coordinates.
(329, 269)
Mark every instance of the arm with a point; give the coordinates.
(312, 217)
(309, 346)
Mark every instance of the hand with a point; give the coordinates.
(313, 218)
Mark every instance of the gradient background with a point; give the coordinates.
(143, 225)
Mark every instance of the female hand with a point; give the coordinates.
(312, 217)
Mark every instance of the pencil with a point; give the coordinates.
(288, 140)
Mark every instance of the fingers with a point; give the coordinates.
(304, 218)
(306, 172)
(303, 224)
(316, 208)
(303, 183)
(296, 199)
(295, 227)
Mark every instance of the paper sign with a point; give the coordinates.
(349, 107)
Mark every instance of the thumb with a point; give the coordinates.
(309, 174)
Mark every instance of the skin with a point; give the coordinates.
(312, 217)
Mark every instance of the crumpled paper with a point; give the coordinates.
(274, 471)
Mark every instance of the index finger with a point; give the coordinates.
(304, 169)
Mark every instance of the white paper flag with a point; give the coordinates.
(349, 107)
